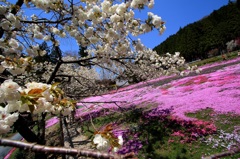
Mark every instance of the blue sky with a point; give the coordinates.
(176, 14)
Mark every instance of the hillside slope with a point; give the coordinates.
(179, 94)
(196, 40)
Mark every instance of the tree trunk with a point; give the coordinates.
(22, 126)
(23, 129)
(62, 135)
(43, 129)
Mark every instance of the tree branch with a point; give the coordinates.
(53, 75)
(79, 61)
(46, 21)
(14, 11)
(61, 150)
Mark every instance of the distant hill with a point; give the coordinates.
(207, 36)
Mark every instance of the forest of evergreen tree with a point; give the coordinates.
(206, 37)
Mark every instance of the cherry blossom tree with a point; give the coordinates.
(231, 45)
(107, 30)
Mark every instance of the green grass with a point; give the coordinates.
(155, 133)
(230, 55)
(204, 114)
(224, 122)
(128, 118)
(22, 154)
(194, 150)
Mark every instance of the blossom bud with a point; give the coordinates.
(13, 43)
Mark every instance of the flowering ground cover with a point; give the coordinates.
(153, 116)
(51, 122)
(219, 90)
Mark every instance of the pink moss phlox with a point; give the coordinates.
(145, 83)
(204, 128)
(193, 129)
(10, 153)
(86, 116)
(164, 91)
(218, 90)
(52, 122)
(119, 131)
(188, 89)
(220, 63)
(178, 133)
(157, 113)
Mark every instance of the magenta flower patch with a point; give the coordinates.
(52, 122)
(219, 90)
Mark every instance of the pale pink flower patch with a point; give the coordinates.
(52, 122)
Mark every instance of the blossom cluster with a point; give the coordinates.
(104, 27)
(107, 28)
(105, 139)
(34, 97)
(103, 143)
(16, 65)
(162, 65)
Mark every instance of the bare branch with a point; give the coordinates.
(46, 21)
(53, 75)
(61, 150)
